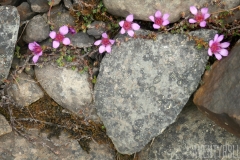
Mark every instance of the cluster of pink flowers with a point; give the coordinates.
(58, 37)
(128, 26)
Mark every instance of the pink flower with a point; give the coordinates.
(36, 49)
(59, 37)
(199, 17)
(71, 30)
(129, 26)
(217, 48)
(159, 20)
(106, 43)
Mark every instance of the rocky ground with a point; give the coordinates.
(157, 95)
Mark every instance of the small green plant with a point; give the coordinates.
(208, 67)
(69, 58)
(17, 53)
(85, 69)
(103, 127)
(73, 68)
(94, 80)
(60, 61)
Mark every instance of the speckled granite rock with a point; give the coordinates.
(14, 146)
(9, 25)
(192, 136)
(25, 91)
(4, 126)
(142, 9)
(68, 88)
(144, 84)
(36, 30)
(219, 96)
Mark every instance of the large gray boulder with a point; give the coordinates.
(142, 9)
(144, 84)
(9, 25)
(192, 136)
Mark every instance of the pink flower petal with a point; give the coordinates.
(129, 18)
(218, 56)
(220, 38)
(192, 20)
(63, 30)
(193, 10)
(204, 10)
(66, 41)
(121, 23)
(203, 24)
(102, 49)
(52, 34)
(210, 52)
(135, 26)
(206, 16)
(39, 54)
(215, 37)
(98, 42)
(108, 48)
(224, 45)
(35, 58)
(130, 33)
(158, 14)
(223, 52)
(112, 41)
(152, 18)
(155, 26)
(165, 16)
(31, 46)
(211, 42)
(56, 44)
(166, 22)
(104, 35)
(122, 31)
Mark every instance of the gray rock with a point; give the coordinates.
(36, 30)
(9, 25)
(68, 88)
(14, 146)
(56, 2)
(81, 40)
(39, 6)
(192, 136)
(25, 91)
(68, 4)
(4, 126)
(143, 9)
(144, 84)
(8, 2)
(96, 29)
(25, 11)
(60, 19)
